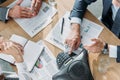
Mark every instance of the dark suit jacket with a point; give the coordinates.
(3, 11)
(80, 7)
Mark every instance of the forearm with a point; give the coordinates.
(75, 28)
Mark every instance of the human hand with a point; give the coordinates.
(35, 6)
(16, 52)
(96, 47)
(73, 40)
(11, 48)
(20, 12)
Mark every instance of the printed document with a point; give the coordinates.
(34, 25)
(58, 34)
(45, 66)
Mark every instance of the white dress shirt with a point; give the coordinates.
(112, 48)
(23, 74)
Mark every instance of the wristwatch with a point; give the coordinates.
(105, 49)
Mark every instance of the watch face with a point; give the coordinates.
(105, 51)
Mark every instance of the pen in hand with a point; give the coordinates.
(63, 20)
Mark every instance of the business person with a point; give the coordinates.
(110, 18)
(18, 11)
(16, 50)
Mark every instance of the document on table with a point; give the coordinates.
(45, 66)
(58, 34)
(34, 25)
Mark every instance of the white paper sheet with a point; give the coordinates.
(47, 62)
(34, 25)
(88, 30)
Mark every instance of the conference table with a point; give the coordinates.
(96, 60)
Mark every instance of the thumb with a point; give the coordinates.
(19, 2)
(1, 39)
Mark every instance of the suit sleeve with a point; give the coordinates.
(80, 7)
(118, 54)
(3, 12)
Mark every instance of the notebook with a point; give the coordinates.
(31, 51)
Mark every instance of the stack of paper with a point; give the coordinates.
(34, 25)
(45, 66)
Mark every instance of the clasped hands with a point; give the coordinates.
(11, 48)
(25, 12)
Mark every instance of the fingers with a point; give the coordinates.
(91, 49)
(1, 47)
(96, 47)
(8, 44)
(95, 42)
(77, 44)
(1, 39)
(33, 4)
(36, 7)
(5, 45)
(15, 52)
(25, 9)
(20, 47)
(12, 48)
(25, 15)
(19, 2)
(24, 12)
(73, 44)
(20, 12)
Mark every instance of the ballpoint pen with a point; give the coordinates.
(63, 20)
(66, 47)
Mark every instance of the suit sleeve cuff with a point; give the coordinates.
(75, 20)
(7, 14)
(112, 51)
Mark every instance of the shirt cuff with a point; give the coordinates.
(7, 14)
(112, 51)
(75, 20)
(23, 72)
(21, 67)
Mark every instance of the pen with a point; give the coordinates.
(62, 25)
